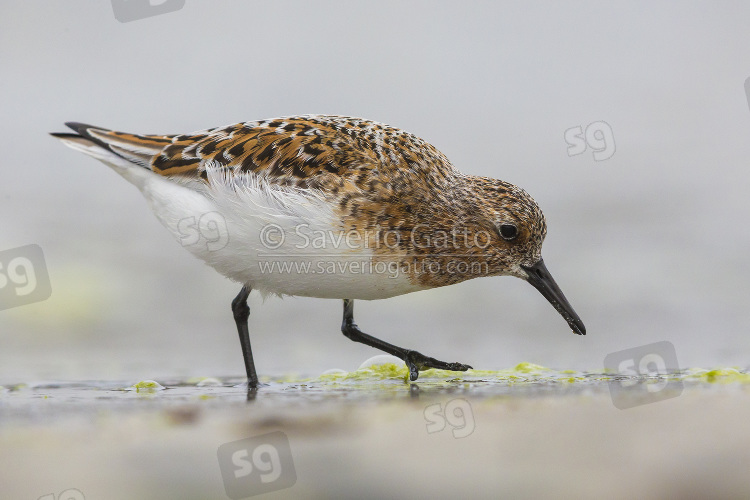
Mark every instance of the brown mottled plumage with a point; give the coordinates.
(378, 177)
(402, 197)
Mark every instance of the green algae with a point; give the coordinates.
(720, 376)
(524, 372)
(146, 386)
(385, 371)
(525, 367)
(398, 372)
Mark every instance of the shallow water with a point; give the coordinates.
(388, 381)
(438, 436)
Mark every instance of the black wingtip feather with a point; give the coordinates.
(64, 135)
(83, 131)
(82, 128)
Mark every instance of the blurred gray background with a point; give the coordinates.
(649, 245)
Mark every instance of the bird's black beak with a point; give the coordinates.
(542, 280)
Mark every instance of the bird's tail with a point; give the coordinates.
(117, 149)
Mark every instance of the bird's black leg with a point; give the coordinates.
(241, 312)
(414, 360)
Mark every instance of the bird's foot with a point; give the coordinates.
(417, 361)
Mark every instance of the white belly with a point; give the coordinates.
(276, 240)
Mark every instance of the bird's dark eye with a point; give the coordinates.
(508, 231)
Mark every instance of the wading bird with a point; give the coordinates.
(330, 207)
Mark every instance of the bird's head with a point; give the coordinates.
(517, 230)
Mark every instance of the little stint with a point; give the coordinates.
(330, 207)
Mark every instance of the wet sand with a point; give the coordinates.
(522, 433)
